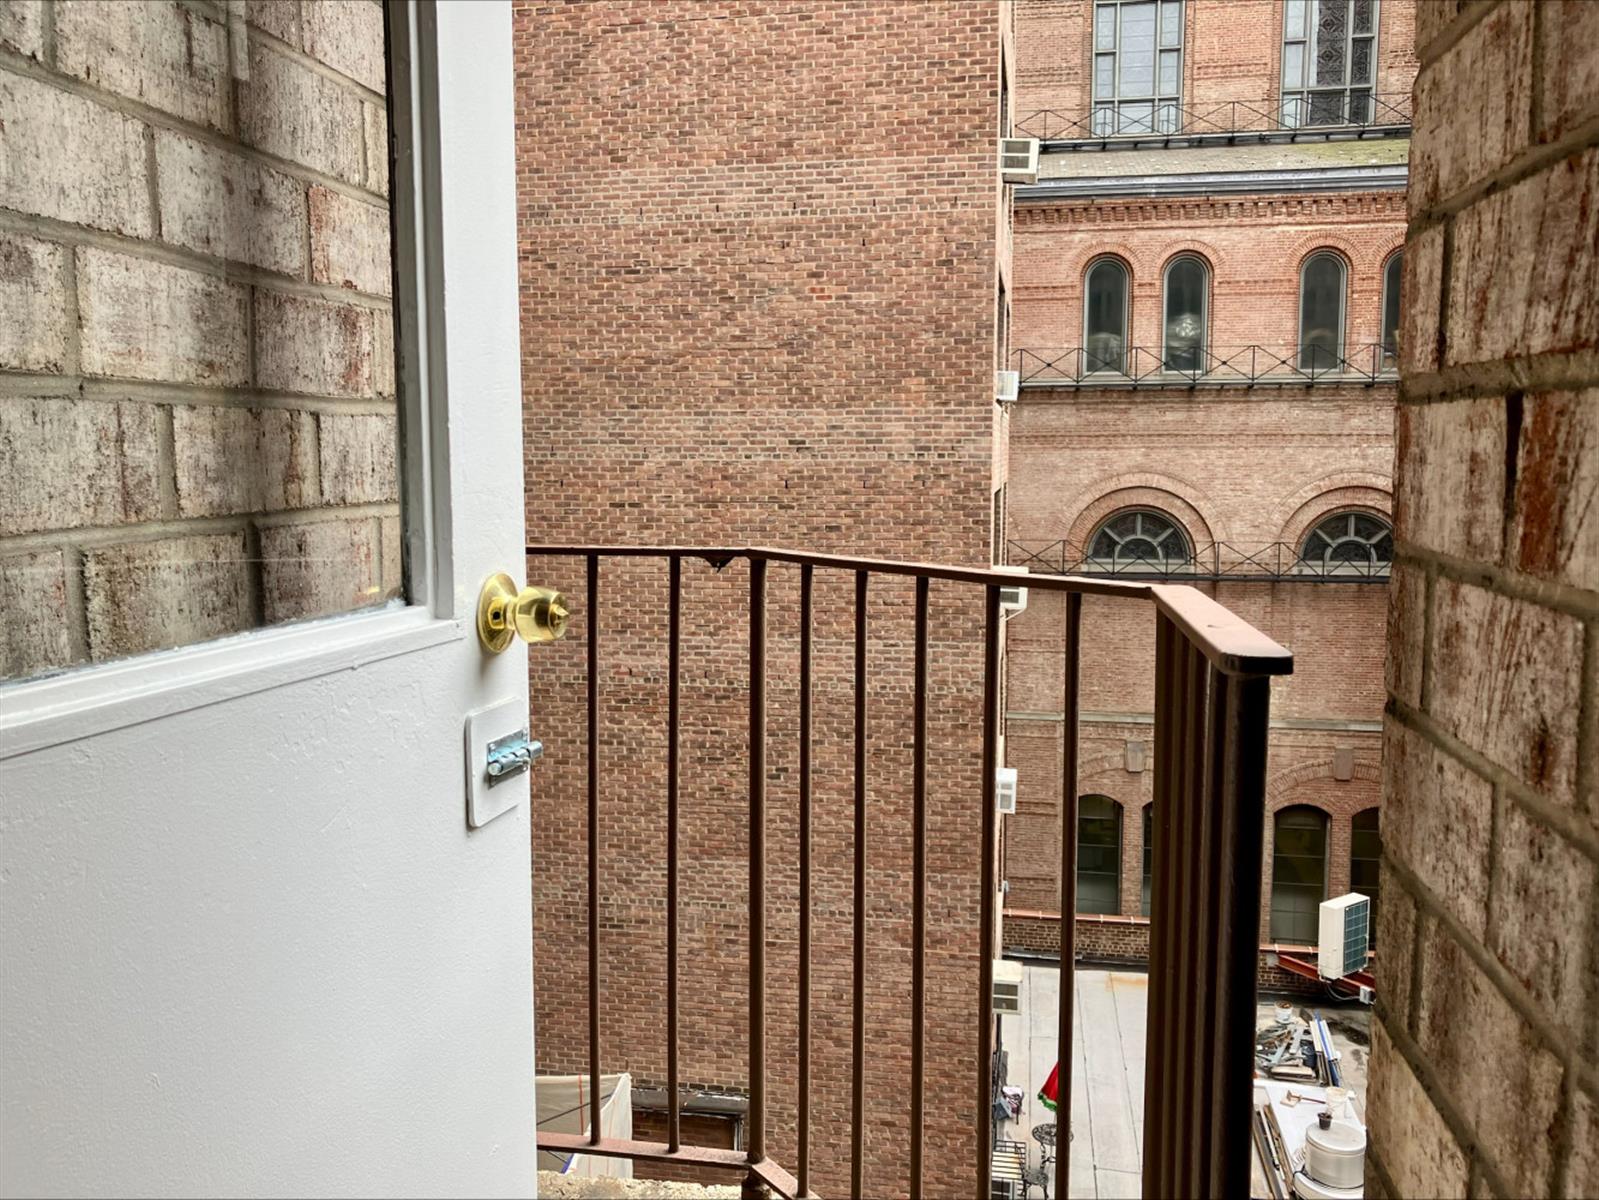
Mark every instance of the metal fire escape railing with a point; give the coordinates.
(1213, 366)
(1212, 690)
(1212, 562)
(1320, 115)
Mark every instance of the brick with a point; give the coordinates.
(316, 569)
(375, 122)
(1540, 881)
(358, 458)
(1568, 73)
(146, 320)
(223, 204)
(33, 595)
(383, 365)
(67, 463)
(243, 460)
(1450, 497)
(313, 346)
(280, 18)
(1582, 1173)
(22, 26)
(1511, 1096)
(1417, 1150)
(392, 576)
(153, 595)
(1438, 819)
(1507, 682)
(1434, 17)
(349, 242)
(1555, 523)
(1467, 131)
(291, 111)
(100, 184)
(1524, 279)
(1407, 601)
(1421, 301)
(166, 55)
(348, 36)
(1395, 944)
(33, 305)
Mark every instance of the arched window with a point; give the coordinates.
(1298, 873)
(1365, 855)
(1186, 316)
(1321, 312)
(1149, 856)
(1105, 317)
(1348, 543)
(1139, 540)
(1099, 855)
(1391, 276)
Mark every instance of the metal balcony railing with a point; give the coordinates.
(1213, 674)
(1319, 114)
(1210, 562)
(1116, 366)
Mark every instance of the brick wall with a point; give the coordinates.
(1483, 1076)
(759, 284)
(197, 423)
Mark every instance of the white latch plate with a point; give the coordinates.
(483, 727)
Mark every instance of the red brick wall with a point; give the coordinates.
(759, 277)
(1491, 866)
(1232, 51)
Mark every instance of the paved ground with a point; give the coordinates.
(1108, 1071)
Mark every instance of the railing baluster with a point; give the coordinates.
(673, 640)
(858, 1064)
(919, 886)
(807, 574)
(1068, 889)
(593, 580)
(757, 751)
(985, 950)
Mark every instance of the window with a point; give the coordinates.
(1391, 276)
(1348, 543)
(1149, 857)
(1105, 316)
(1329, 62)
(1298, 874)
(1099, 855)
(1365, 855)
(1138, 67)
(1184, 345)
(1139, 540)
(1321, 312)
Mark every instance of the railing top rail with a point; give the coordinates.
(1233, 645)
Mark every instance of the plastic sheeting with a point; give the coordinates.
(564, 1105)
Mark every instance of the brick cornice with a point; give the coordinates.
(1265, 207)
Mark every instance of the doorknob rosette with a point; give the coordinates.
(535, 614)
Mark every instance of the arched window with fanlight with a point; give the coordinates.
(1185, 325)
(1139, 541)
(1105, 316)
(1348, 543)
(1365, 859)
(1321, 312)
(1298, 873)
(1392, 274)
(1099, 855)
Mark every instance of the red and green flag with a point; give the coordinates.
(1049, 1094)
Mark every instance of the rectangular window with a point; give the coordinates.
(1138, 67)
(1329, 62)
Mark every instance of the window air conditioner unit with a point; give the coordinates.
(1018, 160)
(1007, 986)
(1006, 386)
(1005, 789)
(1343, 935)
(1012, 598)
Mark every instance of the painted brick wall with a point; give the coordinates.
(1483, 1077)
(759, 282)
(197, 422)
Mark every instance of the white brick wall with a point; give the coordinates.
(33, 305)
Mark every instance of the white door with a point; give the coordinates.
(251, 941)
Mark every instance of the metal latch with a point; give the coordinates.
(510, 756)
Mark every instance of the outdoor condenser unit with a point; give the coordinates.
(1007, 986)
(1007, 385)
(1012, 598)
(1005, 789)
(1345, 935)
(1018, 160)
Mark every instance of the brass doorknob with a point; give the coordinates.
(535, 614)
